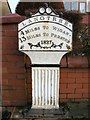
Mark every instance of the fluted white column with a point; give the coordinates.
(45, 87)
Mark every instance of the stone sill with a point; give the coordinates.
(75, 62)
(11, 18)
(70, 62)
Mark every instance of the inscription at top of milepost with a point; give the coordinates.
(45, 18)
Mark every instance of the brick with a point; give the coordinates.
(0, 27)
(63, 86)
(64, 100)
(63, 96)
(10, 40)
(9, 27)
(88, 85)
(63, 91)
(17, 95)
(12, 18)
(6, 98)
(63, 80)
(14, 58)
(71, 75)
(4, 63)
(79, 75)
(17, 70)
(4, 58)
(85, 75)
(63, 75)
(64, 70)
(71, 80)
(16, 82)
(17, 87)
(74, 95)
(0, 33)
(4, 70)
(20, 76)
(84, 20)
(79, 70)
(5, 93)
(9, 76)
(20, 63)
(19, 98)
(0, 39)
(77, 61)
(71, 70)
(4, 87)
(9, 46)
(11, 64)
(10, 33)
(0, 53)
(74, 86)
(81, 90)
(67, 80)
(85, 86)
(85, 95)
(10, 52)
(5, 82)
(81, 80)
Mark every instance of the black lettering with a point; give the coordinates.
(27, 31)
(21, 40)
(64, 32)
(66, 23)
(60, 20)
(41, 42)
(22, 33)
(54, 18)
(24, 39)
(48, 17)
(23, 24)
(58, 36)
(36, 19)
(54, 28)
(60, 30)
(52, 34)
(42, 18)
(67, 33)
(45, 27)
(29, 21)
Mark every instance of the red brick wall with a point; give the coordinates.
(74, 82)
(13, 72)
(16, 80)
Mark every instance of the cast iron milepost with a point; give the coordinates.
(45, 38)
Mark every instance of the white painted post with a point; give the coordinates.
(45, 38)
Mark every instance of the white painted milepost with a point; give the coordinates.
(45, 38)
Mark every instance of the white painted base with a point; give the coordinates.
(45, 87)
